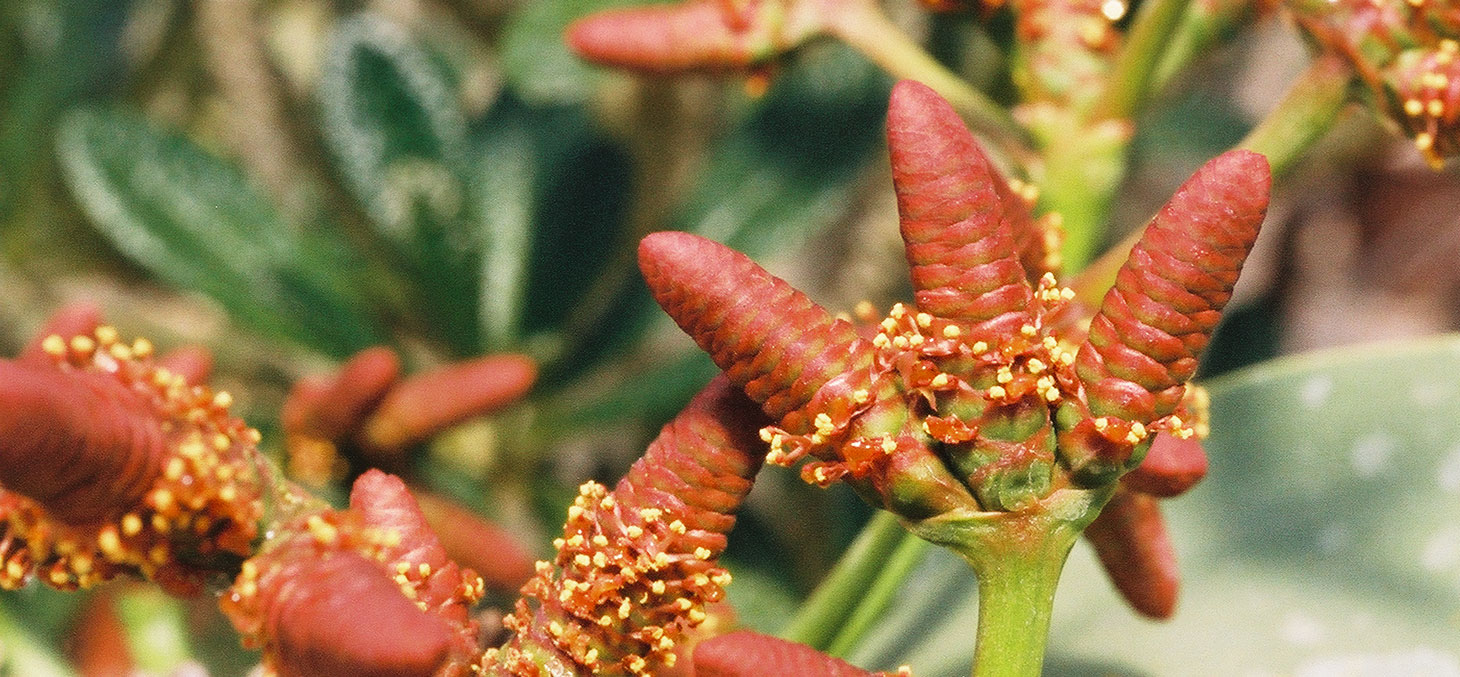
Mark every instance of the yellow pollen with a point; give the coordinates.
(900, 342)
(916, 340)
(322, 531)
(174, 469)
(696, 616)
(979, 347)
(574, 512)
(575, 541)
(898, 310)
(1028, 330)
(1424, 141)
(120, 352)
(1414, 107)
(1052, 394)
(633, 531)
(677, 527)
(657, 587)
(1035, 365)
(82, 344)
(108, 540)
(702, 552)
(889, 445)
(600, 540)
(1436, 108)
(600, 560)
(864, 310)
(592, 656)
(661, 560)
(142, 348)
(997, 392)
(106, 335)
(651, 515)
(131, 524)
(555, 629)
(1005, 375)
(924, 320)
(939, 381)
(889, 324)
(558, 543)
(766, 434)
(54, 345)
(859, 396)
(582, 560)
(880, 341)
(952, 331)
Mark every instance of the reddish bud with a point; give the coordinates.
(958, 217)
(1169, 295)
(1171, 467)
(769, 338)
(751, 654)
(336, 407)
(1131, 541)
(494, 553)
(695, 35)
(425, 404)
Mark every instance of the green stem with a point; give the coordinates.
(867, 29)
(1206, 24)
(1016, 586)
(1304, 115)
(879, 596)
(1131, 80)
(818, 621)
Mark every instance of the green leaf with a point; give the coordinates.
(1323, 542)
(156, 629)
(537, 62)
(392, 121)
(503, 193)
(192, 220)
(23, 652)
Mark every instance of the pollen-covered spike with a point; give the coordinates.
(958, 215)
(769, 338)
(341, 616)
(60, 432)
(1170, 468)
(635, 568)
(1131, 541)
(425, 404)
(694, 35)
(70, 320)
(193, 363)
(1170, 293)
(750, 654)
(384, 503)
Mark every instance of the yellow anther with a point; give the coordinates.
(1424, 141)
(131, 524)
(1414, 107)
(900, 342)
(1435, 108)
(952, 331)
(916, 340)
(1005, 375)
(651, 515)
(222, 400)
(864, 310)
(997, 392)
(555, 629)
(767, 433)
(657, 587)
(859, 396)
(108, 541)
(1101, 423)
(174, 469)
(898, 310)
(582, 560)
(939, 381)
(889, 324)
(54, 345)
(1028, 330)
(82, 345)
(1051, 395)
(979, 347)
(120, 352)
(106, 335)
(575, 512)
(633, 531)
(703, 553)
(600, 560)
(889, 445)
(881, 341)
(1035, 365)
(696, 616)
(924, 320)
(141, 348)
(575, 541)
(322, 531)
(677, 527)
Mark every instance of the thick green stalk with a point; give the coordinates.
(1015, 599)
(1304, 115)
(1131, 81)
(865, 28)
(875, 600)
(819, 620)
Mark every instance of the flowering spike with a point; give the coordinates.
(694, 35)
(769, 338)
(957, 216)
(749, 654)
(1144, 342)
(636, 567)
(1131, 541)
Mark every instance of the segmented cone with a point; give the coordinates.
(693, 35)
(957, 215)
(769, 338)
(751, 654)
(1168, 297)
(1131, 541)
(61, 434)
(340, 616)
(636, 567)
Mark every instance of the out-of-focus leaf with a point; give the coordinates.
(538, 63)
(156, 630)
(503, 190)
(23, 653)
(1324, 541)
(192, 220)
(67, 50)
(392, 120)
